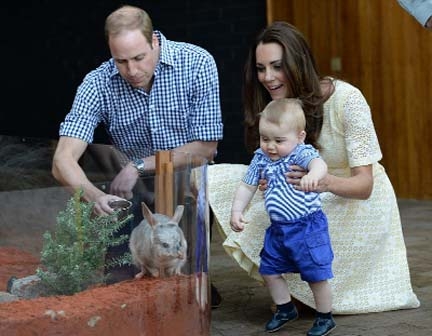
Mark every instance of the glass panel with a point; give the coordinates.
(30, 204)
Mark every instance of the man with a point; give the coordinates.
(153, 94)
(421, 10)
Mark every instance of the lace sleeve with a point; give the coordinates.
(361, 141)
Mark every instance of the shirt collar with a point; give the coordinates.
(166, 53)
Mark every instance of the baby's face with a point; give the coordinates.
(278, 141)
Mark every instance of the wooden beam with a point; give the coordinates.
(164, 183)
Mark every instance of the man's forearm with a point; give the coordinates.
(71, 176)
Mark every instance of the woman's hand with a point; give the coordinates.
(357, 186)
(294, 175)
(322, 186)
(262, 184)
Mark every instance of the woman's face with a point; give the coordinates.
(270, 71)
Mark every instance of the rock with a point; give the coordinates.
(7, 297)
(28, 288)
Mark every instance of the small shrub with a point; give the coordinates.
(74, 257)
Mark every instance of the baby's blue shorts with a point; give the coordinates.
(301, 246)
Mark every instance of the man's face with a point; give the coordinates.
(135, 57)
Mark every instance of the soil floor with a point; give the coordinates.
(146, 307)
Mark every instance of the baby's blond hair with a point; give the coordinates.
(285, 111)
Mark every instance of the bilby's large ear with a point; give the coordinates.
(178, 214)
(147, 214)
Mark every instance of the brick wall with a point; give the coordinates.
(59, 42)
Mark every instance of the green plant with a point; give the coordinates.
(74, 257)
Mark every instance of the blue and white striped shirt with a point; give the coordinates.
(182, 106)
(283, 202)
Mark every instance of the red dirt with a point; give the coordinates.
(15, 262)
(146, 307)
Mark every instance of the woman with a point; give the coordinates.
(371, 271)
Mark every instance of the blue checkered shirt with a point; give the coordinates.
(183, 105)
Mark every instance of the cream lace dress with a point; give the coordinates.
(370, 268)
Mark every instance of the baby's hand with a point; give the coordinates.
(237, 221)
(309, 183)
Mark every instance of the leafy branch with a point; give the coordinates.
(73, 258)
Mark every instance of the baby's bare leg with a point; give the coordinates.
(322, 295)
(278, 288)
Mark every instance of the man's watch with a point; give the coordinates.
(139, 166)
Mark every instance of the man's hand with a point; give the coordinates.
(124, 182)
(102, 207)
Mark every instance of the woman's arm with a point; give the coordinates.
(358, 186)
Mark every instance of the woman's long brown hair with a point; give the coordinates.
(301, 71)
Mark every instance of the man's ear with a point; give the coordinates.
(302, 136)
(154, 41)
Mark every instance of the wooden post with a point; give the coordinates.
(164, 186)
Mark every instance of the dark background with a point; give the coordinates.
(48, 46)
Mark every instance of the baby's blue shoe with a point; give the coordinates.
(322, 327)
(279, 319)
